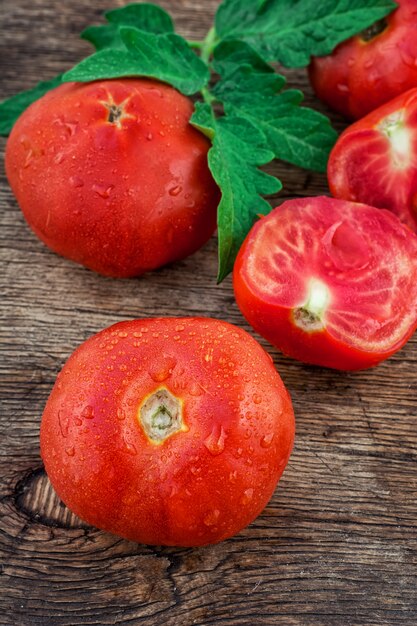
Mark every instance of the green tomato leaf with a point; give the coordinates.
(238, 150)
(250, 88)
(147, 17)
(103, 36)
(13, 107)
(167, 58)
(291, 31)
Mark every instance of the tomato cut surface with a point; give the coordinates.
(330, 282)
(375, 160)
(168, 431)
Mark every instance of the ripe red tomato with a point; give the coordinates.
(112, 175)
(330, 282)
(372, 68)
(375, 160)
(168, 431)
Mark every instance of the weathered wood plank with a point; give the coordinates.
(337, 543)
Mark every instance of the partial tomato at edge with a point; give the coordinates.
(168, 431)
(372, 68)
(330, 283)
(112, 175)
(374, 161)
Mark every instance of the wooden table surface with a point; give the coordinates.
(337, 543)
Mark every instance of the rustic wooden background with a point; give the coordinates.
(337, 543)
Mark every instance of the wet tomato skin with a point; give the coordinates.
(112, 175)
(364, 261)
(372, 68)
(203, 483)
(374, 161)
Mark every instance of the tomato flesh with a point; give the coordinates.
(330, 282)
(112, 175)
(375, 160)
(372, 68)
(168, 431)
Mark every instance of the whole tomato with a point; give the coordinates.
(168, 431)
(330, 282)
(372, 68)
(375, 160)
(112, 175)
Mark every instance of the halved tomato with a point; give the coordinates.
(375, 160)
(329, 282)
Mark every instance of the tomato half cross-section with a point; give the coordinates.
(112, 175)
(375, 160)
(372, 68)
(168, 431)
(329, 282)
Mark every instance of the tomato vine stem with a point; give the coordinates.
(208, 45)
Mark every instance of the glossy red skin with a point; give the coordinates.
(362, 165)
(310, 220)
(199, 486)
(362, 75)
(121, 199)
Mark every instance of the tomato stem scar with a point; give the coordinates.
(309, 317)
(160, 416)
(116, 112)
(373, 31)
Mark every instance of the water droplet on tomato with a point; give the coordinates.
(257, 398)
(70, 128)
(233, 476)
(343, 88)
(175, 191)
(195, 389)
(129, 448)
(76, 182)
(149, 136)
(121, 414)
(407, 58)
(29, 159)
(63, 423)
(59, 158)
(247, 496)
(78, 421)
(88, 412)
(103, 191)
(267, 440)
(212, 517)
(216, 440)
(162, 368)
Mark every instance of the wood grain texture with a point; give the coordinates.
(337, 543)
